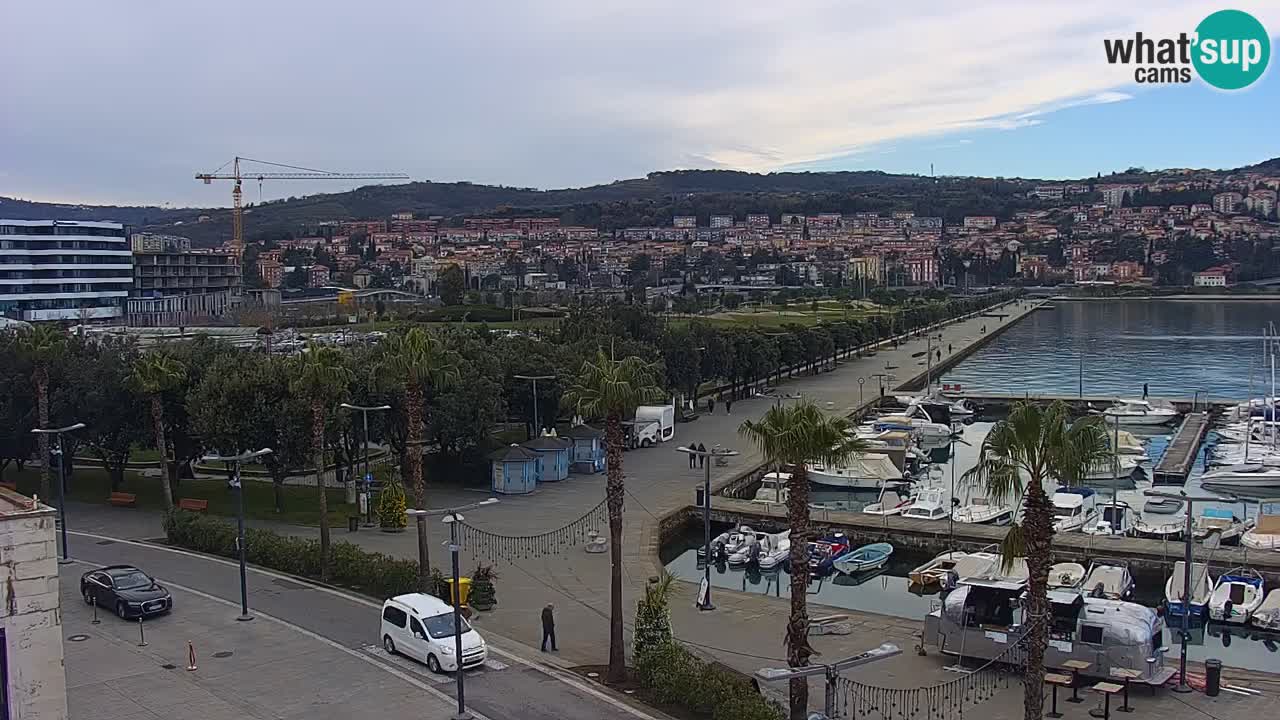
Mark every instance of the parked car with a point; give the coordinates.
(126, 590)
(420, 626)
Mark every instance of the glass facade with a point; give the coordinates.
(63, 270)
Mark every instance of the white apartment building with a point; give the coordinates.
(63, 269)
(1226, 202)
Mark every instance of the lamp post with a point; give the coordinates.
(62, 480)
(831, 671)
(368, 478)
(708, 458)
(537, 429)
(232, 463)
(453, 518)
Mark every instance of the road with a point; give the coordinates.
(513, 686)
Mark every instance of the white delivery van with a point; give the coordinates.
(420, 626)
(664, 415)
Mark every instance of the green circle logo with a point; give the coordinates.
(1232, 49)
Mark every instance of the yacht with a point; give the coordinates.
(1108, 579)
(1265, 534)
(1116, 466)
(1141, 412)
(930, 504)
(1201, 589)
(894, 498)
(1126, 443)
(1115, 518)
(1073, 509)
(1158, 527)
(1243, 477)
(773, 489)
(983, 511)
(1228, 527)
(1236, 596)
(866, 470)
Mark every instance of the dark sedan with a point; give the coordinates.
(126, 590)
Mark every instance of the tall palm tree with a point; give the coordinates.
(321, 376)
(156, 373)
(612, 389)
(422, 362)
(1033, 446)
(42, 345)
(790, 436)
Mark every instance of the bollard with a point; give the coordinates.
(191, 657)
(95, 621)
(142, 636)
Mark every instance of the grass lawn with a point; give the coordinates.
(301, 504)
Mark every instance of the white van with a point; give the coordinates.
(420, 626)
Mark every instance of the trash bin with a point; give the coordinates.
(1212, 676)
(697, 496)
(353, 523)
(464, 586)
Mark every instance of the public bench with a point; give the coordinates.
(123, 499)
(193, 505)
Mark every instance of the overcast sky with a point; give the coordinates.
(124, 101)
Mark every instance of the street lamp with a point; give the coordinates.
(232, 463)
(62, 480)
(537, 429)
(453, 518)
(368, 477)
(831, 671)
(708, 458)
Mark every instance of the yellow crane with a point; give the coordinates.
(290, 172)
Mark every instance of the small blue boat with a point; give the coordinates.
(867, 557)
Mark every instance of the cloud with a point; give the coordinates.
(135, 97)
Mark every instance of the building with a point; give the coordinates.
(271, 272)
(35, 684)
(867, 267)
(684, 221)
(979, 222)
(1212, 277)
(317, 276)
(1114, 195)
(1226, 202)
(361, 278)
(721, 221)
(152, 243)
(63, 269)
(1262, 202)
(758, 220)
(160, 274)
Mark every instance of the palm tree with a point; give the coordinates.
(612, 389)
(155, 374)
(1035, 445)
(42, 344)
(790, 436)
(422, 362)
(321, 376)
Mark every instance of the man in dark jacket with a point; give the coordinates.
(549, 628)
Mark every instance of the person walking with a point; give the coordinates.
(702, 459)
(693, 459)
(711, 406)
(549, 628)
(948, 348)
(728, 406)
(1144, 391)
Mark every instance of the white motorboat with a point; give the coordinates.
(1128, 444)
(1116, 466)
(773, 489)
(983, 511)
(866, 470)
(930, 504)
(1141, 412)
(928, 430)
(1198, 596)
(1236, 596)
(748, 550)
(1243, 477)
(894, 498)
(1160, 527)
(1066, 576)
(952, 562)
(727, 543)
(1115, 518)
(1163, 505)
(1221, 521)
(1265, 534)
(1073, 508)
(1256, 540)
(863, 559)
(1267, 616)
(773, 550)
(1108, 579)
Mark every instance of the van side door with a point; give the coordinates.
(419, 639)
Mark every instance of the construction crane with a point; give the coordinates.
(293, 173)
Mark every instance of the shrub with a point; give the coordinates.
(483, 595)
(675, 676)
(653, 619)
(391, 505)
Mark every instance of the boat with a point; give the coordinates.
(1163, 505)
(1114, 467)
(930, 504)
(1221, 521)
(1073, 508)
(773, 550)
(961, 564)
(727, 543)
(1201, 589)
(866, 470)
(1236, 596)
(1126, 443)
(823, 552)
(928, 430)
(773, 489)
(747, 550)
(1066, 576)
(867, 557)
(1242, 477)
(1158, 527)
(894, 498)
(1108, 579)
(1141, 412)
(1265, 534)
(1267, 616)
(1115, 518)
(983, 511)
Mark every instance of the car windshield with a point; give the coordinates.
(132, 580)
(441, 626)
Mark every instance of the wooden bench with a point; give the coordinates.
(123, 499)
(193, 505)
(10, 485)
(1056, 680)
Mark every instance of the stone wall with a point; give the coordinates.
(29, 611)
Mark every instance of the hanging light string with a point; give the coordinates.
(494, 547)
(944, 701)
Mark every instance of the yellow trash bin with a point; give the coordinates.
(464, 587)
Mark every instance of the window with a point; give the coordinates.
(441, 626)
(415, 627)
(394, 615)
(1091, 634)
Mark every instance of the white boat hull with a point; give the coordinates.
(1260, 541)
(844, 481)
(1139, 419)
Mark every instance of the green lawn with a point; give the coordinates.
(301, 504)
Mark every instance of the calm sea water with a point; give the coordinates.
(1175, 346)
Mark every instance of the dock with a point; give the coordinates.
(1180, 456)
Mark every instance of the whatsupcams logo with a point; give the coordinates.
(1229, 50)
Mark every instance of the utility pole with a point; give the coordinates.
(537, 428)
(708, 458)
(232, 463)
(62, 480)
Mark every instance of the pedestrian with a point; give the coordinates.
(711, 405)
(1144, 391)
(938, 353)
(948, 348)
(728, 406)
(549, 628)
(702, 459)
(693, 459)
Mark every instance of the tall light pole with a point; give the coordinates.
(453, 518)
(831, 671)
(368, 478)
(708, 458)
(537, 429)
(62, 480)
(232, 463)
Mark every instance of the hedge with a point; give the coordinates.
(350, 566)
(675, 676)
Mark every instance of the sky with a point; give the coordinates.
(123, 102)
